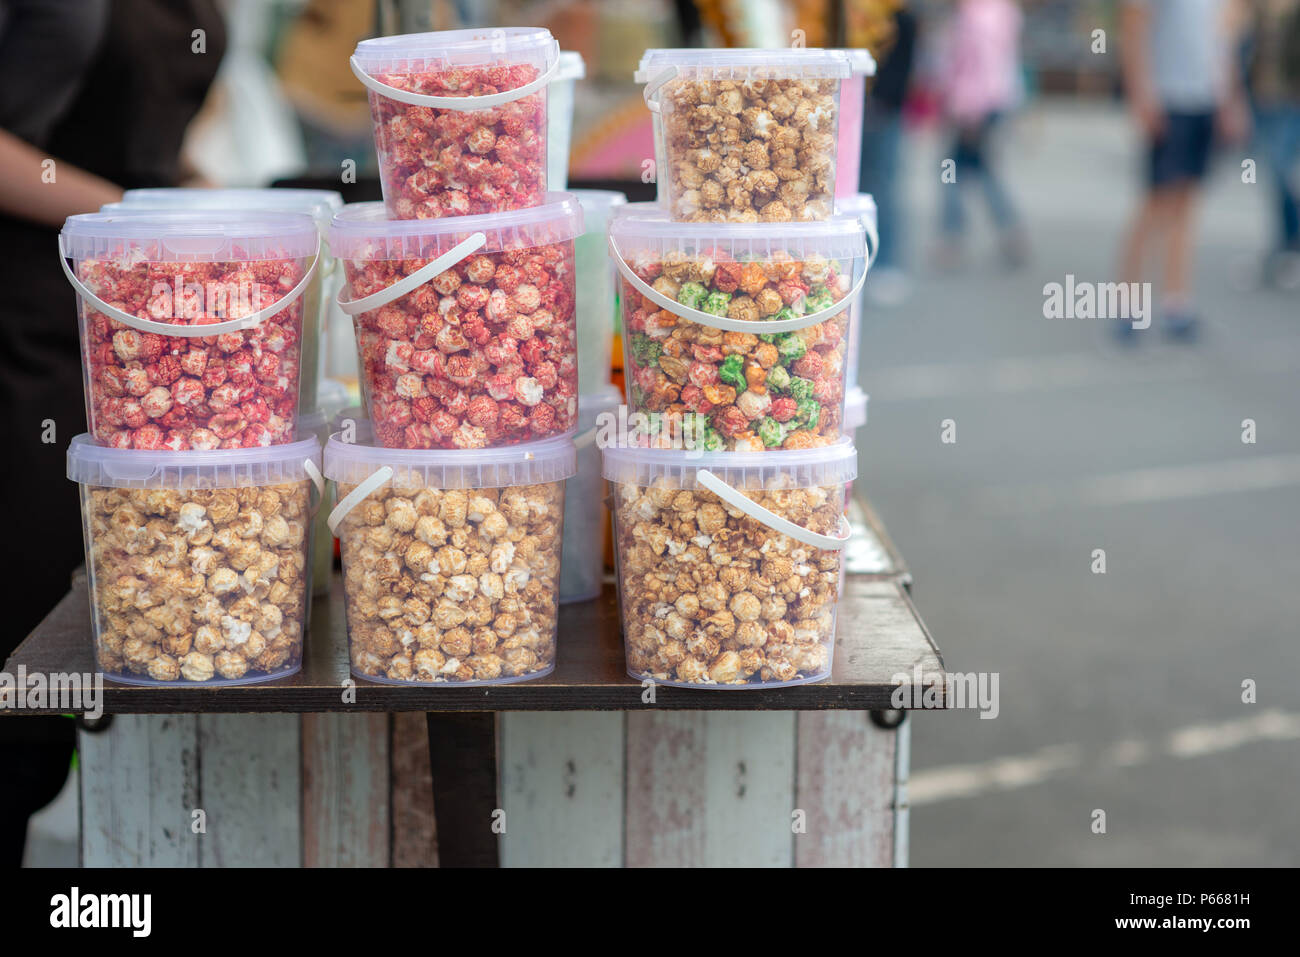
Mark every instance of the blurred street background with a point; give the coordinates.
(1119, 691)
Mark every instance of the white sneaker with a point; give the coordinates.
(888, 287)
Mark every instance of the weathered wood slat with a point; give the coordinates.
(666, 787)
(139, 789)
(251, 786)
(845, 787)
(345, 790)
(414, 839)
(562, 787)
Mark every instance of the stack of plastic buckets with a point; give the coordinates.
(461, 285)
(196, 489)
(729, 503)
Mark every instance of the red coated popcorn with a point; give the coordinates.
(459, 161)
(471, 358)
(150, 390)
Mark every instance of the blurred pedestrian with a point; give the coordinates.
(95, 96)
(882, 132)
(1183, 91)
(1273, 81)
(979, 83)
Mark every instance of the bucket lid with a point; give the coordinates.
(91, 464)
(599, 206)
(572, 66)
(829, 465)
(531, 463)
(592, 404)
(809, 62)
(649, 231)
(364, 231)
(319, 204)
(450, 49)
(861, 62)
(189, 235)
(855, 408)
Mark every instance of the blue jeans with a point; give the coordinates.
(882, 131)
(1278, 132)
(969, 153)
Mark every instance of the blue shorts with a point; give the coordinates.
(1182, 152)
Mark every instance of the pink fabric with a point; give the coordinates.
(981, 69)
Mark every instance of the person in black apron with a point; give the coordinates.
(105, 89)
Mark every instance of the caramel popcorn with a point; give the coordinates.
(453, 585)
(198, 585)
(711, 596)
(761, 150)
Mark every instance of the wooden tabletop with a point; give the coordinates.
(878, 635)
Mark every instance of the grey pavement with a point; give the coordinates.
(1120, 692)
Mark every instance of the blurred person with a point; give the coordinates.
(882, 131)
(979, 83)
(1273, 82)
(104, 89)
(1183, 90)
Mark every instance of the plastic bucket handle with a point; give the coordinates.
(416, 279)
(358, 495)
(317, 480)
(484, 102)
(724, 323)
(176, 329)
(769, 518)
(651, 92)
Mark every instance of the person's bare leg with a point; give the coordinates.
(1178, 247)
(1148, 225)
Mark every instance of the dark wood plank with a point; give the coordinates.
(463, 766)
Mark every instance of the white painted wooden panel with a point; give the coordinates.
(749, 788)
(562, 787)
(139, 789)
(251, 789)
(845, 785)
(666, 786)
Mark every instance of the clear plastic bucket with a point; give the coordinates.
(853, 101)
(863, 207)
(320, 540)
(459, 119)
(465, 327)
(747, 135)
(319, 204)
(596, 290)
(729, 564)
(691, 293)
(855, 409)
(559, 118)
(582, 570)
(451, 563)
(191, 325)
(197, 561)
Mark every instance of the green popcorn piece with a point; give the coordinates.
(801, 388)
(769, 336)
(716, 303)
(692, 294)
(712, 441)
(791, 347)
(771, 432)
(645, 351)
(807, 412)
(732, 371)
(817, 301)
(785, 312)
(777, 379)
